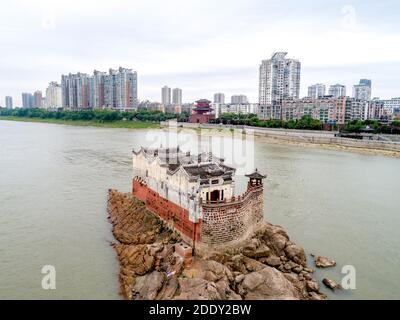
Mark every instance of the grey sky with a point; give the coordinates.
(202, 47)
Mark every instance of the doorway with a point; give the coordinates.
(215, 196)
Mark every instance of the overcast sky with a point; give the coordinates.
(200, 46)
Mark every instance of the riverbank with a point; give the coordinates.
(301, 138)
(334, 147)
(110, 124)
(266, 266)
(329, 143)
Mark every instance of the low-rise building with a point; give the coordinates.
(149, 105)
(378, 110)
(392, 104)
(270, 111)
(356, 109)
(245, 108)
(187, 108)
(328, 109)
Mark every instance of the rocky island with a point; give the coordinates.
(183, 234)
(265, 266)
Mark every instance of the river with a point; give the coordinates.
(53, 188)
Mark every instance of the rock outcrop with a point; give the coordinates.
(266, 266)
(324, 262)
(331, 284)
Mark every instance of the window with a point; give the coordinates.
(222, 195)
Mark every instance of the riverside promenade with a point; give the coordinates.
(379, 142)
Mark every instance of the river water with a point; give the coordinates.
(53, 187)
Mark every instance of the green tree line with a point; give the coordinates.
(305, 123)
(356, 126)
(93, 115)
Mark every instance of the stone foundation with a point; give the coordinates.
(266, 265)
(222, 223)
(232, 221)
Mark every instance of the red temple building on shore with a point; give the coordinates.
(202, 112)
(194, 195)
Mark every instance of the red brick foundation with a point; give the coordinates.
(201, 118)
(175, 216)
(222, 223)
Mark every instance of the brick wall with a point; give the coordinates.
(222, 222)
(232, 221)
(201, 118)
(175, 216)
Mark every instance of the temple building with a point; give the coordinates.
(194, 195)
(202, 112)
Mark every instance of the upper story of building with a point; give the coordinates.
(185, 179)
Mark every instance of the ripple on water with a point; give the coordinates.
(53, 197)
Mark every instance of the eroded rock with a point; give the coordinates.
(330, 284)
(147, 287)
(324, 262)
(151, 270)
(268, 284)
(197, 289)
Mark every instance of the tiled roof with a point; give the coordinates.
(202, 166)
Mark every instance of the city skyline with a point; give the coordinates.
(165, 52)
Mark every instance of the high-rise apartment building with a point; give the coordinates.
(279, 79)
(110, 89)
(166, 95)
(366, 82)
(239, 99)
(38, 99)
(177, 96)
(97, 90)
(126, 89)
(219, 98)
(27, 100)
(9, 102)
(316, 91)
(337, 90)
(115, 90)
(75, 91)
(362, 91)
(53, 98)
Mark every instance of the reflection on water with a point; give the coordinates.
(54, 181)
